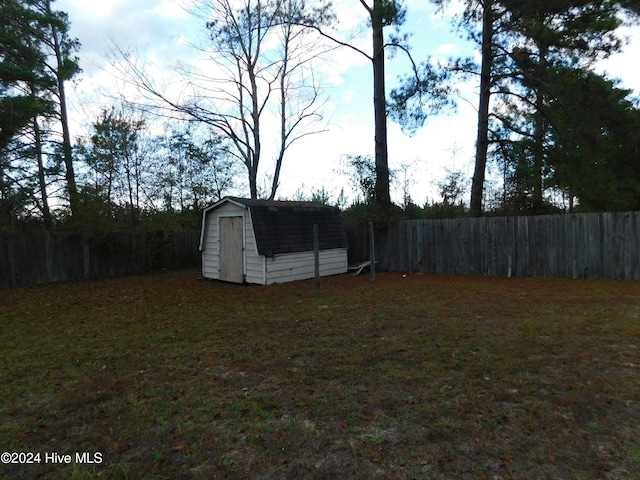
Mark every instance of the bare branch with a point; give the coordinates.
(338, 42)
(367, 7)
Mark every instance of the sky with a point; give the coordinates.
(162, 30)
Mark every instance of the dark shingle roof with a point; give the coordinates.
(287, 227)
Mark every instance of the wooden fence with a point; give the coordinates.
(589, 245)
(44, 257)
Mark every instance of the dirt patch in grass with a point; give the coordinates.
(171, 377)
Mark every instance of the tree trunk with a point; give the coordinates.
(538, 154)
(482, 141)
(253, 180)
(540, 126)
(70, 176)
(130, 188)
(72, 188)
(254, 156)
(382, 196)
(283, 115)
(42, 181)
(276, 174)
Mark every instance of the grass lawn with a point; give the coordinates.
(167, 376)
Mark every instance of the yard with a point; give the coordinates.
(168, 376)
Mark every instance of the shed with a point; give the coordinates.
(265, 241)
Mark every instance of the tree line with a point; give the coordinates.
(545, 117)
(547, 121)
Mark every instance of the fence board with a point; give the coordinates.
(588, 245)
(46, 257)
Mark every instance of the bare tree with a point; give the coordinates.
(260, 72)
(299, 94)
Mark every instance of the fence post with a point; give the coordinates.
(316, 253)
(410, 245)
(372, 252)
(86, 257)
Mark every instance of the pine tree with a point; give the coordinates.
(554, 40)
(62, 66)
(35, 62)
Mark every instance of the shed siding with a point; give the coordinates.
(299, 266)
(254, 262)
(210, 249)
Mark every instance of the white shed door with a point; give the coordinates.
(231, 258)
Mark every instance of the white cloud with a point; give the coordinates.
(170, 9)
(619, 65)
(447, 49)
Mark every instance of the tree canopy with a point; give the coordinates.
(527, 50)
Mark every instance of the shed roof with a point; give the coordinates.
(287, 227)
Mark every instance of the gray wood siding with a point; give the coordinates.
(584, 245)
(37, 257)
